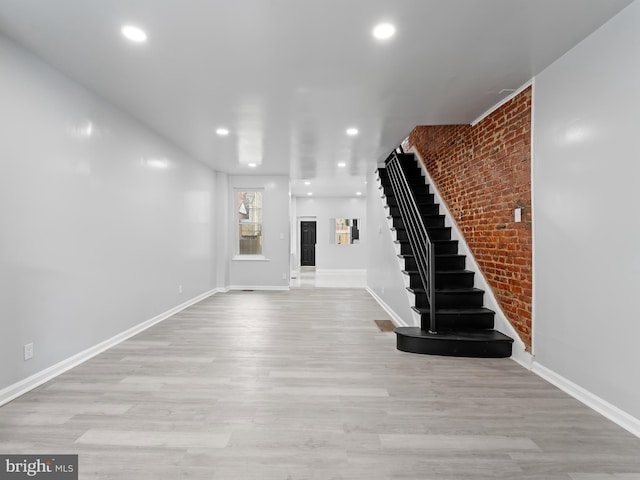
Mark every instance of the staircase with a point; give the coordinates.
(459, 325)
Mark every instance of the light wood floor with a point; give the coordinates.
(302, 385)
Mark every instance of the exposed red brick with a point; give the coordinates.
(483, 173)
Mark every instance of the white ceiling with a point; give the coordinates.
(288, 77)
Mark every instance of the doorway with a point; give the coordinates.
(308, 243)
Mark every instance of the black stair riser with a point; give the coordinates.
(454, 279)
(415, 178)
(429, 221)
(456, 262)
(441, 248)
(396, 222)
(409, 164)
(421, 199)
(435, 233)
(462, 299)
(401, 234)
(393, 210)
(410, 263)
(429, 209)
(418, 185)
(425, 209)
(425, 199)
(444, 280)
(386, 191)
(439, 233)
(447, 246)
(433, 220)
(450, 262)
(415, 281)
(412, 171)
(481, 321)
(455, 348)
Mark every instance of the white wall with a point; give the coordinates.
(385, 280)
(329, 255)
(100, 219)
(271, 272)
(586, 230)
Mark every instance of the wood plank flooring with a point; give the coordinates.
(303, 385)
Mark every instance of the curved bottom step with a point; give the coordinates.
(457, 343)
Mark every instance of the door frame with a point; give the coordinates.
(315, 223)
(299, 220)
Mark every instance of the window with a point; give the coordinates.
(344, 231)
(249, 223)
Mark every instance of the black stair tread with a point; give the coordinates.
(438, 255)
(462, 335)
(438, 271)
(427, 227)
(447, 290)
(406, 242)
(454, 311)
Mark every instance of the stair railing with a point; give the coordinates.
(421, 245)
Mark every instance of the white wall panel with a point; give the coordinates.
(326, 209)
(384, 270)
(101, 220)
(272, 271)
(586, 256)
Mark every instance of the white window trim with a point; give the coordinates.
(250, 258)
(247, 257)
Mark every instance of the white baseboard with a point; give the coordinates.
(604, 408)
(395, 317)
(524, 358)
(279, 288)
(521, 356)
(23, 386)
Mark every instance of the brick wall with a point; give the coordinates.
(483, 173)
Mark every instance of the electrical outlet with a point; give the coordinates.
(28, 351)
(180, 289)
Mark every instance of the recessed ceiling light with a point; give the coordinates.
(309, 193)
(133, 33)
(342, 164)
(352, 131)
(157, 163)
(358, 193)
(307, 182)
(252, 165)
(383, 31)
(222, 131)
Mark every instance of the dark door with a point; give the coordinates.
(308, 244)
